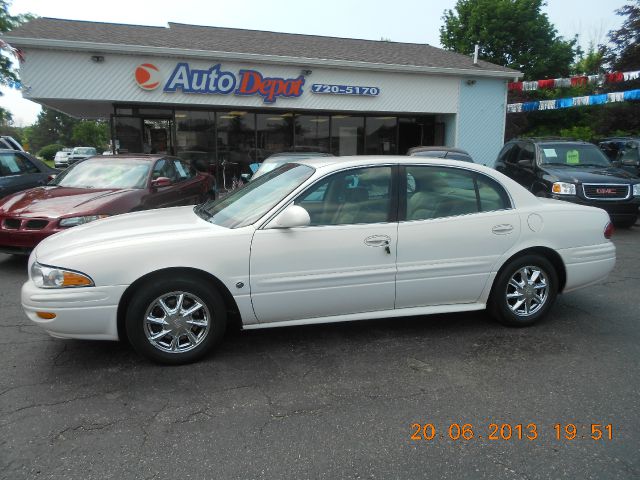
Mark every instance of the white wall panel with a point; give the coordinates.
(57, 75)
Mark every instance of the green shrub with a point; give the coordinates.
(49, 152)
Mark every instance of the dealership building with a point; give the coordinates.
(236, 96)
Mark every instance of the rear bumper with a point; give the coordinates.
(84, 313)
(587, 265)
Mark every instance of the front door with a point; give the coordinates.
(344, 262)
(458, 224)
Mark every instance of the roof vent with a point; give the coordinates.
(475, 54)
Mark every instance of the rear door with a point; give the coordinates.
(18, 172)
(457, 224)
(191, 187)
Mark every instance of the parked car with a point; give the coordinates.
(61, 160)
(624, 152)
(573, 171)
(10, 143)
(80, 153)
(21, 171)
(277, 159)
(440, 152)
(318, 240)
(97, 188)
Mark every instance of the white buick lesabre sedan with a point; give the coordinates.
(320, 240)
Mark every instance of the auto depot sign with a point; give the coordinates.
(216, 81)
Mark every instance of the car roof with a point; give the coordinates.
(433, 148)
(539, 140)
(134, 156)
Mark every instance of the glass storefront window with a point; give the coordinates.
(196, 138)
(381, 135)
(275, 134)
(312, 133)
(236, 138)
(347, 135)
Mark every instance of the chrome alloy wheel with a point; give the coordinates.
(527, 291)
(177, 322)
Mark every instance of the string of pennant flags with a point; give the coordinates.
(569, 102)
(577, 81)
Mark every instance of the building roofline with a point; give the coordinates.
(72, 45)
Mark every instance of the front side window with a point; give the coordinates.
(15, 164)
(437, 192)
(354, 196)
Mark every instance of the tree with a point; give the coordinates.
(91, 133)
(51, 127)
(511, 33)
(624, 55)
(8, 22)
(591, 62)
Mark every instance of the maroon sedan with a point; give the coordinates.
(95, 188)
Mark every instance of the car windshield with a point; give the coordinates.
(88, 151)
(266, 167)
(246, 205)
(573, 155)
(102, 173)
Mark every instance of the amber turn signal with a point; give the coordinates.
(71, 279)
(46, 315)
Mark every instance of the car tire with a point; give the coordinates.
(541, 194)
(190, 312)
(626, 223)
(517, 301)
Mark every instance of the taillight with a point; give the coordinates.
(608, 230)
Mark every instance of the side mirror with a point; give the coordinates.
(161, 182)
(291, 217)
(524, 163)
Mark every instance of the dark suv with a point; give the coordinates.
(624, 152)
(573, 171)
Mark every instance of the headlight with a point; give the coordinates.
(74, 221)
(52, 277)
(636, 190)
(562, 188)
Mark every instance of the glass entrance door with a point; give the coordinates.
(157, 136)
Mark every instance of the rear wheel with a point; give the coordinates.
(626, 223)
(524, 291)
(175, 321)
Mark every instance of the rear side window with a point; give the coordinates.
(491, 194)
(437, 192)
(15, 164)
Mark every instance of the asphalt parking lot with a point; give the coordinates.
(335, 401)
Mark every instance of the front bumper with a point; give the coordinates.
(22, 240)
(85, 313)
(617, 209)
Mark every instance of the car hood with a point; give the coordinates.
(121, 232)
(591, 174)
(52, 201)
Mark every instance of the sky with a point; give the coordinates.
(415, 21)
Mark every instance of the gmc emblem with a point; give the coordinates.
(606, 191)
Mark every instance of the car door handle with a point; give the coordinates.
(503, 229)
(377, 241)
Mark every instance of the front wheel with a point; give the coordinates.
(524, 291)
(175, 321)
